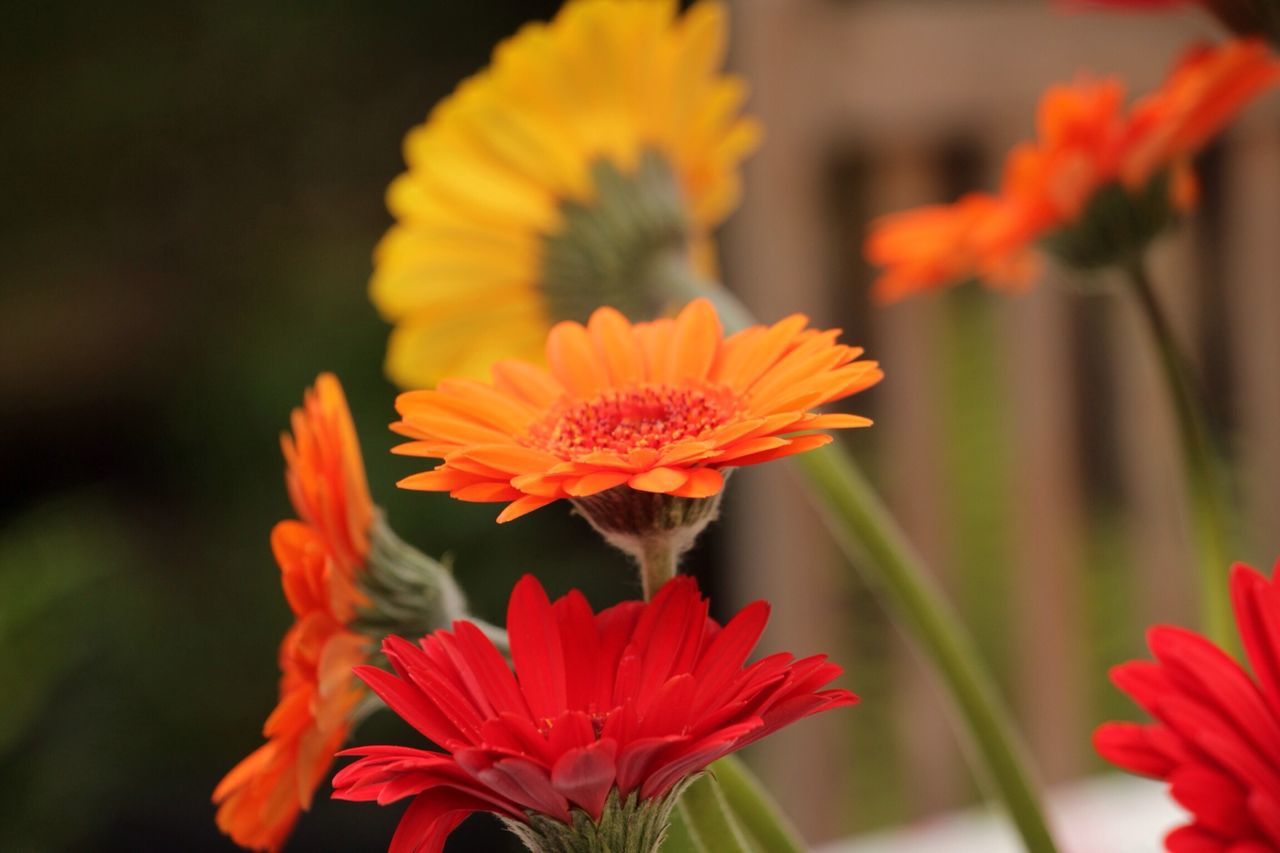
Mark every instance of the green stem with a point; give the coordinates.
(1206, 493)
(657, 558)
(872, 540)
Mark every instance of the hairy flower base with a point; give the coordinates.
(652, 528)
(629, 825)
(627, 517)
(406, 591)
(1115, 224)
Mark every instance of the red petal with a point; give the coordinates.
(1257, 605)
(1127, 745)
(586, 774)
(528, 784)
(1206, 672)
(1193, 839)
(536, 648)
(723, 659)
(581, 641)
(492, 675)
(1216, 800)
(429, 820)
(409, 703)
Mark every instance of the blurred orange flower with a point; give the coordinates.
(320, 558)
(1089, 152)
(660, 407)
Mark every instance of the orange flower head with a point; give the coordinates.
(320, 557)
(661, 407)
(1051, 180)
(1201, 96)
(1099, 181)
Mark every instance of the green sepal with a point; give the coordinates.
(630, 825)
(1116, 224)
(607, 247)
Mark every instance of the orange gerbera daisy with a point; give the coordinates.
(661, 407)
(320, 557)
(1098, 182)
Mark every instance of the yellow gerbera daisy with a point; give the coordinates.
(591, 149)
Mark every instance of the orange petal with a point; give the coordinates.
(749, 447)
(655, 343)
(528, 381)
(659, 480)
(538, 485)
(746, 357)
(437, 480)
(510, 457)
(702, 483)
(486, 493)
(595, 483)
(573, 361)
(616, 346)
(837, 420)
(523, 506)
(799, 444)
(695, 342)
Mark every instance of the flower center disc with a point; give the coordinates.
(648, 416)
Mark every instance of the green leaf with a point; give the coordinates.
(755, 809)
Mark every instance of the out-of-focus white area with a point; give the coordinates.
(1112, 814)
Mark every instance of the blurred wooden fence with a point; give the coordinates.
(1024, 443)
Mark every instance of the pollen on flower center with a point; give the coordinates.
(622, 420)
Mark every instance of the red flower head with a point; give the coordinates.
(609, 710)
(1216, 735)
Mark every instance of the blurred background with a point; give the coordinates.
(194, 196)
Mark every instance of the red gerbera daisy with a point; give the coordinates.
(603, 721)
(1216, 735)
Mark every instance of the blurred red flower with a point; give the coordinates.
(1216, 735)
(632, 700)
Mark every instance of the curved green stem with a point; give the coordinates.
(872, 541)
(1205, 491)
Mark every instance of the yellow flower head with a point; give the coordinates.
(592, 148)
